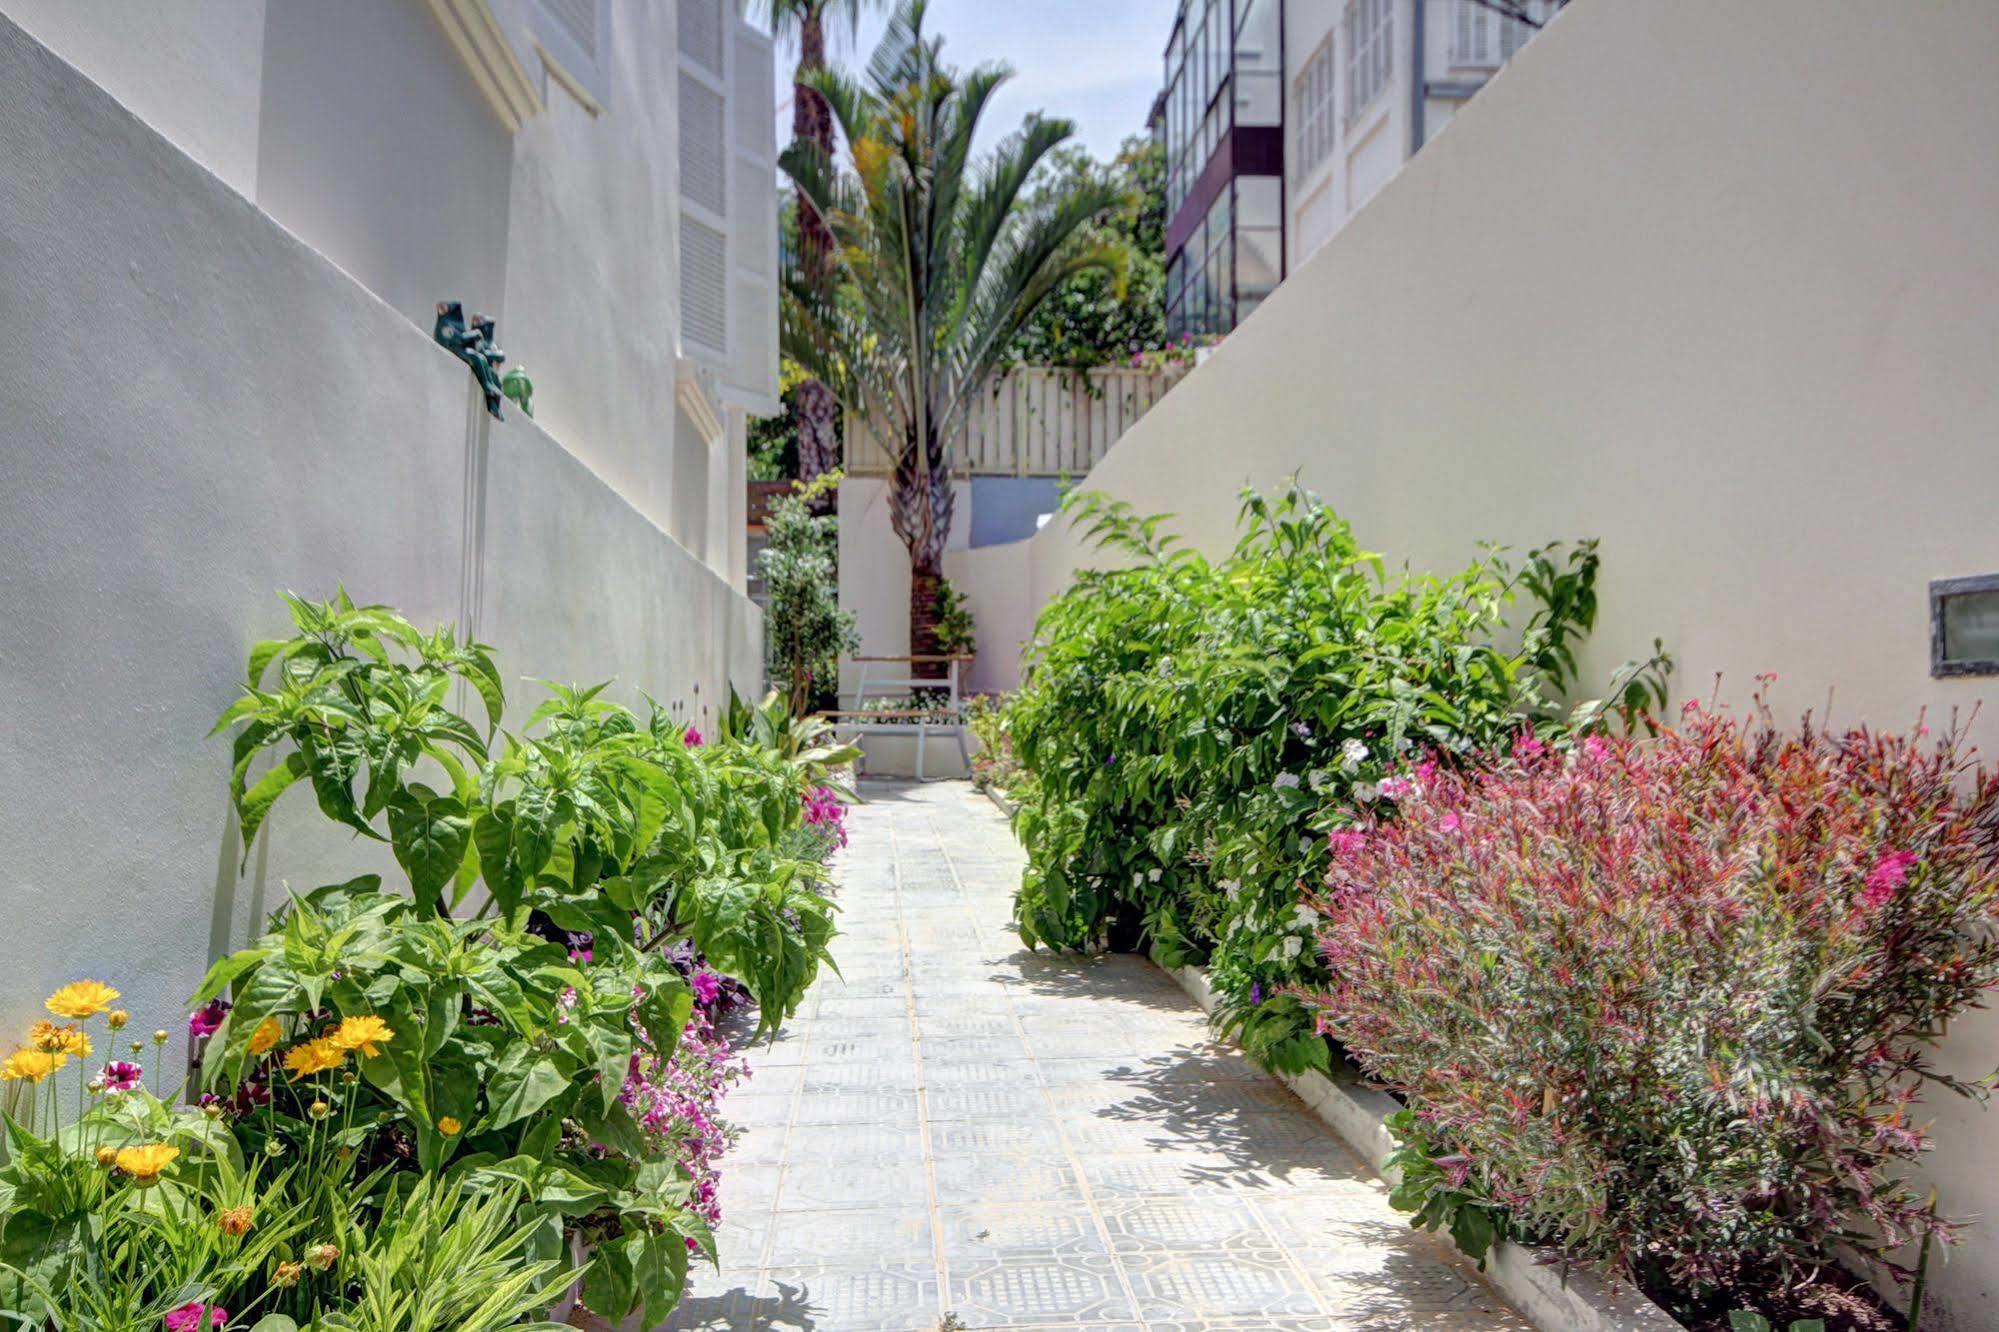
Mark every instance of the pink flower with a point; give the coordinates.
(706, 985)
(1528, 747)
(122, 1075)
(194, 1316)
(207, 1020)
(1346, 842)
(1888, 874)
(1450, 823)
(693, 738)
(1594, 747)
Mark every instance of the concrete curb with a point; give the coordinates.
(1579, 1302)
(1000, 802)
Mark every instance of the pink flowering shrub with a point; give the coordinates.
(826, 816)
(678, 1106)
(1670, 1002)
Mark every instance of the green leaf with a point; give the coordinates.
(523, 1082)
(256, 803)
(429, 834)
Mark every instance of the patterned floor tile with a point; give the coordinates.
(1034, 1141)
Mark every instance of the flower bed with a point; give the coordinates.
(429, 1093)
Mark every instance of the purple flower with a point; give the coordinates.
(1256, 993)
(122, 1075)
(706, 984)
(207, 1020)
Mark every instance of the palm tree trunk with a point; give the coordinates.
(815, 412)
(921, 500)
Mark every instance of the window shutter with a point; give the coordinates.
(753, 352)
(705, 223)
(574, 40)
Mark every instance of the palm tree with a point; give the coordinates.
(815, 410)
(940, 259)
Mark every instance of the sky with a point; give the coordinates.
(1096, 62)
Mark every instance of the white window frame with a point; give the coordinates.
(584, 74)
(1370, 62)
(1314, 108)
(715, 358)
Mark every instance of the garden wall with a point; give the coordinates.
(198, 410)
(1713, 282)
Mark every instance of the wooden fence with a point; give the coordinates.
(1036, 422)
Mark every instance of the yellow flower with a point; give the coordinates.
(81, 999)
(266, 1037)
(144, 1164)
(49, 1038)
(287, 1275)
(235, 1221)
(32, 1065)
(362, 1033)
(314, 1057)
(117, 1018)
(449, 1127)
(107, 1157)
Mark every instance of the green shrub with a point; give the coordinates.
(469, 1063)
(1193, 729)
(805, 631)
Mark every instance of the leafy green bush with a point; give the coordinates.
(483, 1064)
(805, 631)
(957, 629)
(1194, 728)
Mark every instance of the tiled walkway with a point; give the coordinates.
(962, 1127)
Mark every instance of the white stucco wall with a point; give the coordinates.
(200, 410)
(1713, 282)
(192, 69)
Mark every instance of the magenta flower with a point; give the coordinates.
(1888, 874)
(194, 1316)
(693, 738)
(706, 985)
(1450, 823)
(207, 1020)
(122, 1075)
(1346, 842)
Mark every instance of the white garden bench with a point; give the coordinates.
(876, 680)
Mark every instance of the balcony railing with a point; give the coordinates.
(1036, 422)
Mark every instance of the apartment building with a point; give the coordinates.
(1282, 118)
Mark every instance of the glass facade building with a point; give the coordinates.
(1222, 119)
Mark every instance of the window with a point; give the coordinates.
(1483, 38)
(574, 38)
(1312, 109)
(1370, 34)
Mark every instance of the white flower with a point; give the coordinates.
(1153, 876)
(1352, 754)
(1365, 792)
(1230, 887)
(1316, 779)
(1293, 946)
(1302, 731)
(1286, 781)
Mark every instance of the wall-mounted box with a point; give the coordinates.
(1964, 626)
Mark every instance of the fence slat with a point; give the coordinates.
(1036, 421)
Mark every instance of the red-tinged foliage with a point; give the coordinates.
(1674, 1000)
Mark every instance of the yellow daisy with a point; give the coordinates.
(314, 1057)
(144, 1164)
(32, 1065)
(266, 1037)
(449, 1127)
(365, 1034)
(81, 999)
(47, 1036)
